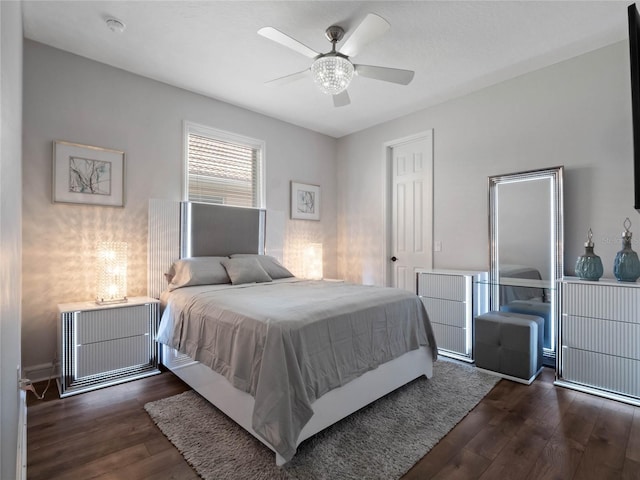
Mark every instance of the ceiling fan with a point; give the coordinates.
(333, 71)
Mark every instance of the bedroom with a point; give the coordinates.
(546, 117)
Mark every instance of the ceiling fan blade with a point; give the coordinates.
(372, 27)
(284, 39)
(393, 75)
(276, 82)
(342, 99)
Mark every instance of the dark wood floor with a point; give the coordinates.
(516, 432)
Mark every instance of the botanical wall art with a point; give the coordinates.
(88, 175)
(305, 201)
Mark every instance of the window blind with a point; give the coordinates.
(223, 172)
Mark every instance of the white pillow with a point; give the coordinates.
(269, 263)
(187, 272)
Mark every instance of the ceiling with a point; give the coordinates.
(212, 48)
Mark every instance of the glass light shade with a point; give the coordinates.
(312, 261)
(111, 269)
(332, 73)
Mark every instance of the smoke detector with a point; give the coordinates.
(115, 25)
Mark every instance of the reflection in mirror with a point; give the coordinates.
(525, 205)
(525, 225)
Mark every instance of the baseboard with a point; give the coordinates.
(42, 372)
(21, 458)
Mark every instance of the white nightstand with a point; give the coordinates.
(101, 345)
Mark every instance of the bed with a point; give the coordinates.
(283, 357)
(524, 291)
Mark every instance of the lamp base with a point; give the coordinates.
(101, 301)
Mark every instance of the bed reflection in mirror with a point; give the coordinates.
(526, 245)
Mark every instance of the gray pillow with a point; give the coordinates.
(188, 272)
(269, 263)
(245, 270)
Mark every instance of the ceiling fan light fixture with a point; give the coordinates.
(332, 73)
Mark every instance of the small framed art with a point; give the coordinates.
(305, 201)
(87, 175)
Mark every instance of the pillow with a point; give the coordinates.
(197, 271)
(270, 265)
(245, 270)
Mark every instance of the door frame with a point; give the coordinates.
(387, 188)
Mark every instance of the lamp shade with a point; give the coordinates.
(111, 270)
(332, 73)
(312, 261)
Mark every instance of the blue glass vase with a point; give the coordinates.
(589, 265)
(626, 266)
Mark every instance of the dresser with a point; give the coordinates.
(599, 338)
(453, 299)
(101, 345)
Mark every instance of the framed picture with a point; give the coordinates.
(305, 201)
(87, 175)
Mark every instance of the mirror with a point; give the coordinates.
(525, 240)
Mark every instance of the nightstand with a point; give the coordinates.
(102, 345)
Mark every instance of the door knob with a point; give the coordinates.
(394, 258)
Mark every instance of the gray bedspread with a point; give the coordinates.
(290, 341)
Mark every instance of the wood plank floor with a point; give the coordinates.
(516, 432)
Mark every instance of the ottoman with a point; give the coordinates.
(538, 309)
(509, 345)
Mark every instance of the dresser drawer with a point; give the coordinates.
(621, 339)
(452, 339)
(446, 312)
(94, 358)
(605, 372)
(609, 302)
(448, 287)
(100, 325)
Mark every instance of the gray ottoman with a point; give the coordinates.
(509, 344)
(537, 309)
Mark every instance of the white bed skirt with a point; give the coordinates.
(328, 409)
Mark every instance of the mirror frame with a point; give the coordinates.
(556, 242)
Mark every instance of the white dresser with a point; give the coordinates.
(101, 345)
(599, 338)
(452, 299)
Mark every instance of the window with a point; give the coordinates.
(222, 167)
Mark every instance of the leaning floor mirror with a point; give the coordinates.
(526, 246)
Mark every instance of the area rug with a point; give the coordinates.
(381, 441)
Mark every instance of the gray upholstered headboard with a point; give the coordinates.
(188, 229)
(208, 230)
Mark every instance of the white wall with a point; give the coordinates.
(10, 229)
(71, 98)
(575, 113)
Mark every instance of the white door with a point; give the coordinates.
(411, 210)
